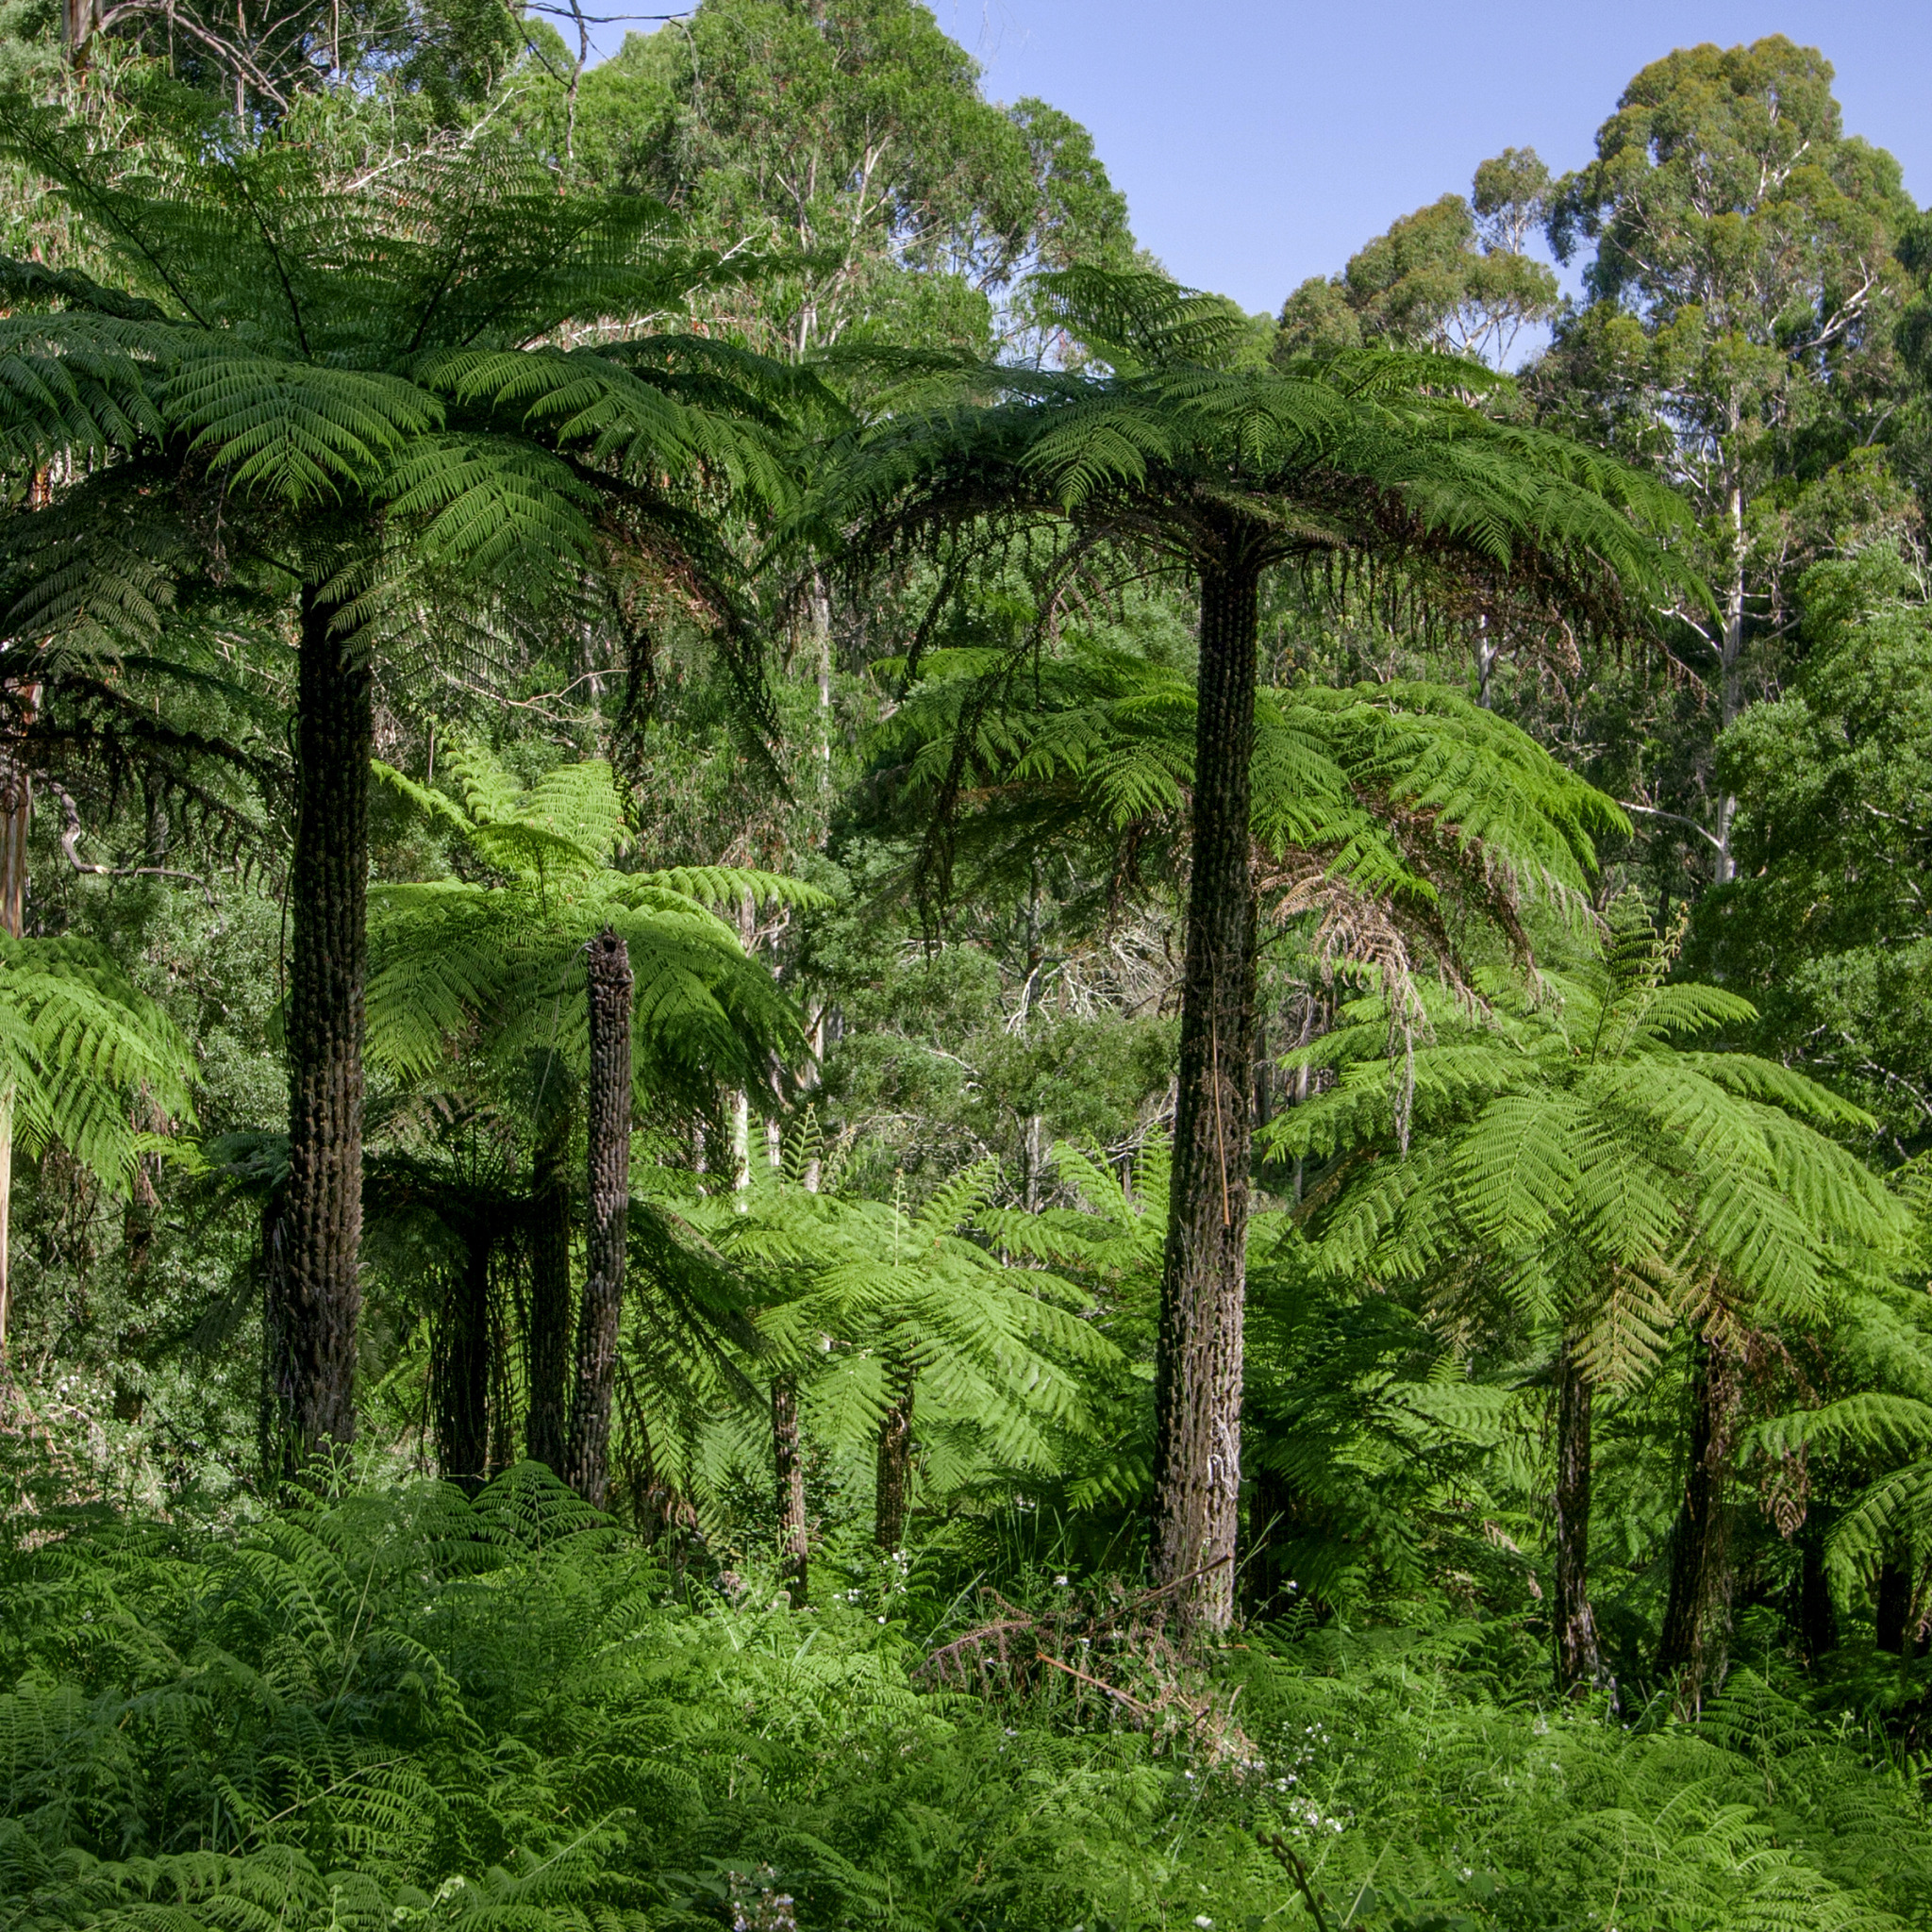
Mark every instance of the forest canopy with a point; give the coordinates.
(854, 1073)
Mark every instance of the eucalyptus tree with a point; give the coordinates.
(369, 399)
(1743, 295)
(1453, 276)
(1581, 1168)
(1168, 446)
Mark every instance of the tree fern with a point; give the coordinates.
(1579, 1152)
(361, 367)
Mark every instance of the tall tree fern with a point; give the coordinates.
(1576, 1164)
(486, 974)
(358, 394)
(1167, 444)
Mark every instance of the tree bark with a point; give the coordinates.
(314, 1287)
(462, 1407)
(587, 1455)
(787, 1467)
(1197, 1387)
(1699, 1590)
(1579, 1662)
(545, 1431)
(894, 1479)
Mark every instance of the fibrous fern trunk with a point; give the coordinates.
(587, 1456)
(1579, 1662)
(1700, 1592)
(788, 1466)
(895, 1476)
(548, 1342)
(315, 1289)
(1198, 1368)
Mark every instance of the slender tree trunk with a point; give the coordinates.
(462, 1409)
(895, 1483)
(1197, 1386)
(545, 1431)
(314, 1287)
(787, 1467)
(587, 1456)
(1579, 1663)
(1730, 670)
(1700, 1592)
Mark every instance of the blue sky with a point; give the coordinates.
(1260, 142)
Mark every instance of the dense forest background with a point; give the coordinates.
(678, 753)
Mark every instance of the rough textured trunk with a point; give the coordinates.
(587, 1455)
(1694, 1613)
(314, 1287)
(1197, 1388)
(545, 1429)
(1579, 1663)
(895, 1483)
(788, 1468)
(462, 1371)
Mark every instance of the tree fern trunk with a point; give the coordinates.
(548, 1344)
(1579, 1663)
(894, 1482)
(788, 1466)
(1197, 1386)
(587, 1455)
(462, 1406)
(1699, 1591)
(314, 1287)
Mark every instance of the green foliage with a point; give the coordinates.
(1582, 1161)
(1451, 276)
(82, 1049)
(500, 1712)
(1825, 917)
(496, 965)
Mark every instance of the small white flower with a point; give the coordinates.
(1059, 1582)
(1201, 1918)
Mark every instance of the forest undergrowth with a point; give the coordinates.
(399, 1706)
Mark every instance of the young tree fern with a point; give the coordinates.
(877, 1317)
(1577, 1165)
(1167, 444)
(360, 396)
(492, 972)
